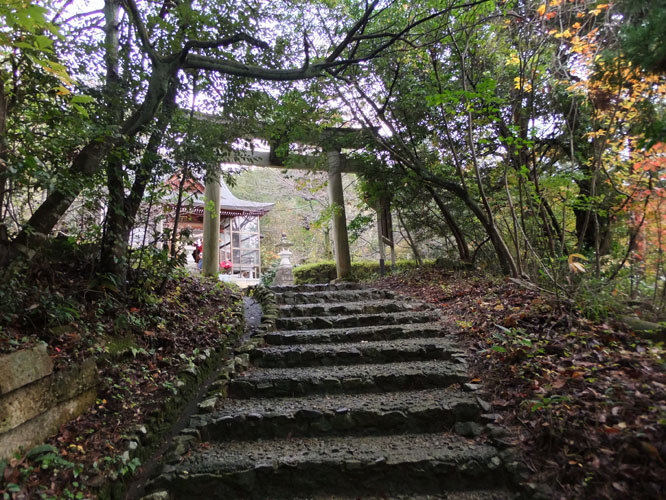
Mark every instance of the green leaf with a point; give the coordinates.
(81, 99)
(82, 111)
(43, 43)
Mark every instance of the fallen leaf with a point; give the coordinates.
(559, 383)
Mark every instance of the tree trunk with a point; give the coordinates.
(122, 210)
(410, 241)
(328, 252)
(459, 236)
(4, 241)
(503, 254)
(586, 232)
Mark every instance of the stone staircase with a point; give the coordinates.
(359, 394)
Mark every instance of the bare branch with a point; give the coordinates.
(142, 32)
(360, 24)
(194, 61)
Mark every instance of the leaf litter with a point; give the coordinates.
(584, 402)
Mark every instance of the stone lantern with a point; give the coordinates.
(285, 273)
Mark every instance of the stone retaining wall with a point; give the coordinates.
(35, 402)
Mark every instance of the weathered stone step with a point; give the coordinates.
(330, 296)
(364, 352)
(378, 465)
(280, 382)
(499, 494)
(317, 288)
(348, 308)
(355, 334)
(390, 413)
(317, 322)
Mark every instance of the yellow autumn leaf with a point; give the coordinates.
(62, 90)
(541, 10)
(574, 266)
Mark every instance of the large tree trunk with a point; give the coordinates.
(122, 210)
(112, 254)
(461, 242)
(504, 256)
(584, 210)
(4, 242)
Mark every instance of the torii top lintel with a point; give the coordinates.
(329, 139)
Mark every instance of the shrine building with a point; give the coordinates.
(240, 238)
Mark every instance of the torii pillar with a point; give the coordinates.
(337, 202)
(211, 224)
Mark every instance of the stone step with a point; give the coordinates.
(383, 466)
(496, 494)
(320, 287)
(391, 413)
(364, 352)
(349, 308)
(318, 322)
(281, 382)
(355, 334)
(330, 296)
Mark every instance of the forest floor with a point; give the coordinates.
(585, 401)
(140, 349)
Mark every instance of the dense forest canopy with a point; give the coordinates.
(527, 136)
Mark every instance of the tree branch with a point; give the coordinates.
(142, 32)
(194, 61)
(224, 42)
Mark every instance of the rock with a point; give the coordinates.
(158, 495)
(208, 405)
(22, 367)
(189, 431)
(242, 362)
(468, 429)
(308, 414)
(497, 431)
(485, 406)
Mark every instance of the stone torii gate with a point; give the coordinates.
(332, 141)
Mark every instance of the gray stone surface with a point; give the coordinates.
(454, 495)
(270, 382)
(33, 399)
(354, 320)
(355, 334)
(329, 296)
(412, 462)
(409, 411)
(349, 308)
(36, 430)
(22, 367)
(384, 351)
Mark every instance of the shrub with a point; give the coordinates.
(325, 272)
